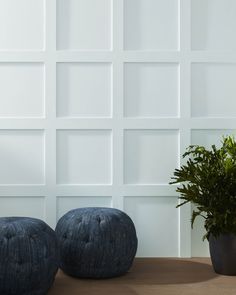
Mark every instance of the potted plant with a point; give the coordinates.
(208, 180)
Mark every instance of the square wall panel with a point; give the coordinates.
(65, 204)
(151, 24)
(22, 90)
(23, 206)
(84, 89)
(150, 156)
(22, 157)
(199, 247)
(84, 157)
(213, 90)
(151, 89)
(22, 24)
(209, 137)
(157, 225)
(84, 24)
(213, 24)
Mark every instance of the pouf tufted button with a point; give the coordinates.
(28, 256)
(96, 242)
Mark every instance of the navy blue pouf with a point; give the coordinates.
(96, 242)
(28, 256)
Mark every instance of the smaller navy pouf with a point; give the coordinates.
(28, 256)
(96, 242)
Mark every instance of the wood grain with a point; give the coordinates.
(151, 276)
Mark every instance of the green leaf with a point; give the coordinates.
(208, 180)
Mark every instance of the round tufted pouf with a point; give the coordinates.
(96, 242)
(28, 256)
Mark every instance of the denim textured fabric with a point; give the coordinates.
(28, 256)
(96, 242)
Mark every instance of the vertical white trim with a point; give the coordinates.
(185, 114)
(50, 137)
(117, 198)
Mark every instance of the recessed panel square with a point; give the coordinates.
(151, 89)
(84, 24)
(213, 24)
(22, 24)
(151, 24)
(65, 204)
(84, 157)
(208, 137)
(199, 247)
(22, 90)
(84, 89)
(23, 206)
(156, 222)
(213, 90)
(22, 157)
(150, 156)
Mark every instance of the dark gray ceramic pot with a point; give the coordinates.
(223, 254)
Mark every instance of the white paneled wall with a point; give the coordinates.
(99, 99)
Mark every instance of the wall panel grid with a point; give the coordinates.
(99, 98)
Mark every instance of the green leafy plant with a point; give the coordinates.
(208, 180)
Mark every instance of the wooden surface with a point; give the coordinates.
(150, 276)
